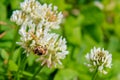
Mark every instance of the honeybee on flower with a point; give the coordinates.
(36, 21)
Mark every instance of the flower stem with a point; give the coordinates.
(29, 74)
(37, 72)
(20, 64)
(95, 74)
(14, 40)
(17, 74)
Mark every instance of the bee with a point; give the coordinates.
(40, 50)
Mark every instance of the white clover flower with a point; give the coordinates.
(50, 48)
(36, 21)
(99, 58)
(38, 13)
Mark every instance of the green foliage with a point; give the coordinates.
(66, 74)
(3, 14)
(84, 26)
(4, 54)
(12, 66)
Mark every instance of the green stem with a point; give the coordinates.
(28, 74)
(14, 40)
(21, 65)
(24, 64)
(72, 51)
(37, 72)
(17, 74)
(0, 27)
(95, 74)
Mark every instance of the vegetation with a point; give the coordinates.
(86, 24)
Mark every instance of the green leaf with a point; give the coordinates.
(117, 30)
(92, 15)
(1, 1)
(4, 54)
(16, 54)
(5, 44)
(15, 4)
(31, 59)
(8, 32)
(73, 30)
(114, 44)
(3, 12)
(13, 66)
(66, 74)
(94, 31)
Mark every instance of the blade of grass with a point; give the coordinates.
(13, 46)
(37, 72)
(21, 64)
(29, 74)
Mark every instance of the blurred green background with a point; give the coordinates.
(87, 23)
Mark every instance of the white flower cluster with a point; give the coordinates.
(32, 10)
(99, 58)
(36, 21)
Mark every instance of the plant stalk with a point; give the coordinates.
(95, 74)
(37, 72)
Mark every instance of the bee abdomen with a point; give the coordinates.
(39, 50)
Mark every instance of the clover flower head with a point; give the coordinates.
(36, 22)
(99, 58)
(49, 46)
(33, 10)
